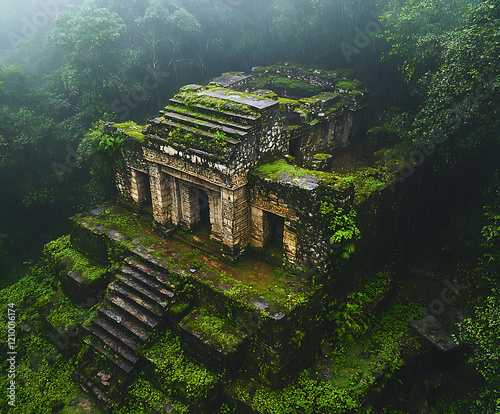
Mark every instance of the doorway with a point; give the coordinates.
(293, 147)
(140, 188)
(276, 230)
(204, 206)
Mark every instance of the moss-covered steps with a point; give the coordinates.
(133, 308)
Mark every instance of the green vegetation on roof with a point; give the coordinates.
(192, 98)
(213, 143)
(365, 179)
(130, 128)
(290, 85)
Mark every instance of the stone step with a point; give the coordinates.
(119, 348)
(130, 282)
(120, 362)
(195, 131)
(241, 118)
(126, 320)
(134, 310)
(154, 275)
(116, 332)
(129, 294)
(204, 117)
(149, 280)
(186, 120)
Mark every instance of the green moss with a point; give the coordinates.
(290, 85)
(140, 137)
(349, 85)
(291, 102)
(176, 373)
(350, 364)
(43, 376)
(273, 170)
(132, 129)
(144, 398)
(64, 314)
(336, 107)
(213, 329)
(322, 156)
(191, 99)
(365, 180)
(62, 250)
(215, 143)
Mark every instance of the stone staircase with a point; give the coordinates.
(132, 309)
(205, 121)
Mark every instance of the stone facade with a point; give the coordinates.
(193, 165)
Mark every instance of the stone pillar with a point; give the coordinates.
(259, 227)
(289, 242)
(242, 233)
(190, 205)
(160, 194)
(214, 206)
(175, 196)
(234, 219)
(138, 187)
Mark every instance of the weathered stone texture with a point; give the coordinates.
(183, 168)
(160, 194)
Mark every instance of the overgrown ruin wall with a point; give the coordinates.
(306, 237)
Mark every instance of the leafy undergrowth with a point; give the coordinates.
(145, 398)
(178, 374)
(62, 250)
(357, 350)
(42, 373)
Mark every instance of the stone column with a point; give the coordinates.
(242, 232)
(259, 227)
(214, 206)
(160, 194)
(289, 242)
(234, 219)
(190, 205)
(175, 196)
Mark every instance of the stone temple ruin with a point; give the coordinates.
(196, 161)
(233, 222)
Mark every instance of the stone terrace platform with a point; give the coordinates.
(257, 285)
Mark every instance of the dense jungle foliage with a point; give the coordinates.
(433, 67)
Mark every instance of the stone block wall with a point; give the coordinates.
(259, 227)
(306, 236)
(122, 181)
(234, 219)
(328, 136)
(268, 139)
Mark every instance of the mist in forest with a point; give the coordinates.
(432, 69)
(66, 63)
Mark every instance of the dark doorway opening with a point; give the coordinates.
(293, 147)
(276, 230)
(143, 189)
(204, 207)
